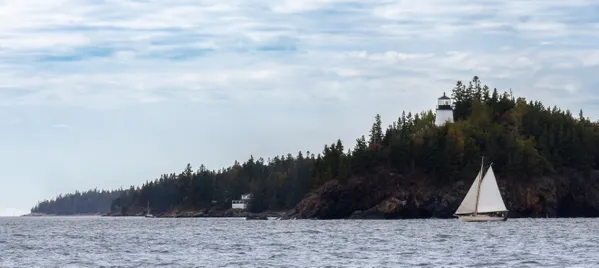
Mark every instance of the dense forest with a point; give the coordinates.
(524, 140)
(89, 202)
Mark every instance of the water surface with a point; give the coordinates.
(197, 242)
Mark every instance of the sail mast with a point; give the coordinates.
(478, 187)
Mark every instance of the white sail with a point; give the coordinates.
(469, 203)
(490, 198)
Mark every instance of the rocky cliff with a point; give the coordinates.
(386, 195)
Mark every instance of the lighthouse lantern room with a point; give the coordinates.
(444, 113)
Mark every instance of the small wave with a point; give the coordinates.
(427, 243)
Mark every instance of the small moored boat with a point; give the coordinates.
(148, 214)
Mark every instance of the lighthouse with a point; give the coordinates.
(444, 112)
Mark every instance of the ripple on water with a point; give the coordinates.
(141, 242)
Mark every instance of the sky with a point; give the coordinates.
(111, 93)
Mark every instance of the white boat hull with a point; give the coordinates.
(480, 218)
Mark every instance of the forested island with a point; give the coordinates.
(80, 203)
(546, 161)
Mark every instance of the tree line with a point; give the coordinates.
(89, 202)
(524, 140)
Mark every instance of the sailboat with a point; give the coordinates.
(148, 214)
(483, 202)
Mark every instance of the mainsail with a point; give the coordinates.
(489, 197)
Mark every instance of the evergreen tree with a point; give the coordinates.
(376, 132)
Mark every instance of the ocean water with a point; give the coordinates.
(197, 242)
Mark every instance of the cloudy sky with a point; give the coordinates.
(113, 93)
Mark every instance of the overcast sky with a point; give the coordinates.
(113, 93)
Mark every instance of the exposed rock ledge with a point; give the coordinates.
(207, 213)
(385, 195)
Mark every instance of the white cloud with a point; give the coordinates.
(125, 51)
(328, 64)
(292, 6)
(389, 56)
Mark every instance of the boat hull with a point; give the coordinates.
(481, 218)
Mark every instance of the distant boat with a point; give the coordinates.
(483, 201)
(148, 214)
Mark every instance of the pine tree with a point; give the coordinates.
(376, 132)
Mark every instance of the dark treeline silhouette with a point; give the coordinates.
(523, 139)
(90, 202)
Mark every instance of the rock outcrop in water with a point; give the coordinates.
(385, 195)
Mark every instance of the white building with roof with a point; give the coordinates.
(242, 203)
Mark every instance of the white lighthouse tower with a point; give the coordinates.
(444, 112)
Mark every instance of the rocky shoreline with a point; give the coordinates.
(229, 213)
(177, 214)
(386, 195)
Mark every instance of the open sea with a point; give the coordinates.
(202, 242)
